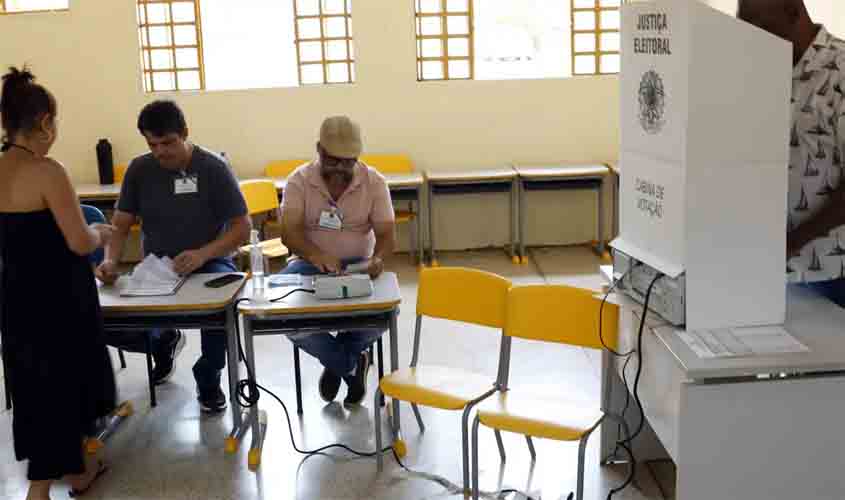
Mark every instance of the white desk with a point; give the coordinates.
(194, 306)
(489, 180)
(303, 312)
(767, 427)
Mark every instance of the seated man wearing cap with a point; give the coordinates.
(337, 211)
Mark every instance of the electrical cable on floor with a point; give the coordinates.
(248, 396)
(625, 443)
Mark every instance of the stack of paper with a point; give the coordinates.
(153, 276)
(739, 342)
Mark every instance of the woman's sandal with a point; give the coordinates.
(101, 469)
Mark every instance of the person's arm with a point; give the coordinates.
(125, 216)
(385, 244)
(293, 236)
(294, 229)
(831, 216)
(122, 222)
(382, 219)
(236, 233)
(228, 205)
(63, 203)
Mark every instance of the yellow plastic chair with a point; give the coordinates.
(548, 313)
(457, 294)
(263, 199)
(280, 169)
(397, 164)
(119, 173)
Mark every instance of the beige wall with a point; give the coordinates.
(89, 58)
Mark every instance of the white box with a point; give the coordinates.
(705, 117)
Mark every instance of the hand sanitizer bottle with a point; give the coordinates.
(257, 266)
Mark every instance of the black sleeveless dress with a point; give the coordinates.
(59, 371)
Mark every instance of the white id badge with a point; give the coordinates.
(330, 220)
(185, 185)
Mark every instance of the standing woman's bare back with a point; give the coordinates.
(62, 359)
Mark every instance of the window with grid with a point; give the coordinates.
(171, 45)
(444, 39)
(500, 40)
(13, 6)
(595, 37)
(323, 37)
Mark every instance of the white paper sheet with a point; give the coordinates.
(153, 276)
(740, 342)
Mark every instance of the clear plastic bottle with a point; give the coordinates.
(256, 265)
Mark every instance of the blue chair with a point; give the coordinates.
(93, 215)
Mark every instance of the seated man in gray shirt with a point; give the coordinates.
(191, 210)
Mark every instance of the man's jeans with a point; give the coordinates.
(338, 354)
(834, 290)
(213, 359)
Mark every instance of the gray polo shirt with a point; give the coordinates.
(172, 222)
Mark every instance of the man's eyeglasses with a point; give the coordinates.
(333, 161)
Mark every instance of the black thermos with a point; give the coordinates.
(105, 162)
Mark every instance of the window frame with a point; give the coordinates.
(597, 32)
(146, 50)
(444, 38)
(3, 11)
(323, 40)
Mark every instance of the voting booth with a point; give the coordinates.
(705, 113)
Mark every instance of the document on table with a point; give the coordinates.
(153, 277)
(741, 342)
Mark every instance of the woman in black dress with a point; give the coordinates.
(59, 371)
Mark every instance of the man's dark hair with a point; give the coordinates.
(160, 118)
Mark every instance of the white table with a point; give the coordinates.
(765, 427)
(194, 306)
(303, 312)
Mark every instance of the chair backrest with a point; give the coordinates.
(462, 294)
(93, 215)
(562, 314)
(119, 173)
(389, 164)
(260, 195)
(282, 168)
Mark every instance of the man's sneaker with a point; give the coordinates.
(356, 385)
(329, 385)
(165, 359)
(213, 401)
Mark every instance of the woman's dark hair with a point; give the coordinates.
(22, 104)
(160, 118)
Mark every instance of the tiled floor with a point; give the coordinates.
(173, 452)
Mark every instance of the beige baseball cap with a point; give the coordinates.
(341, 137)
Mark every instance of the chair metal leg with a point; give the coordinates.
(474, 441)
(148, 343)
(531, 448)
(377, 424)
(122, 358)
(380, 365)
(499, 443)
(298, 378)
(582, 449)
(413, 237)
(420, 423)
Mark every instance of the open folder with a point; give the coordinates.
(152, 277)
